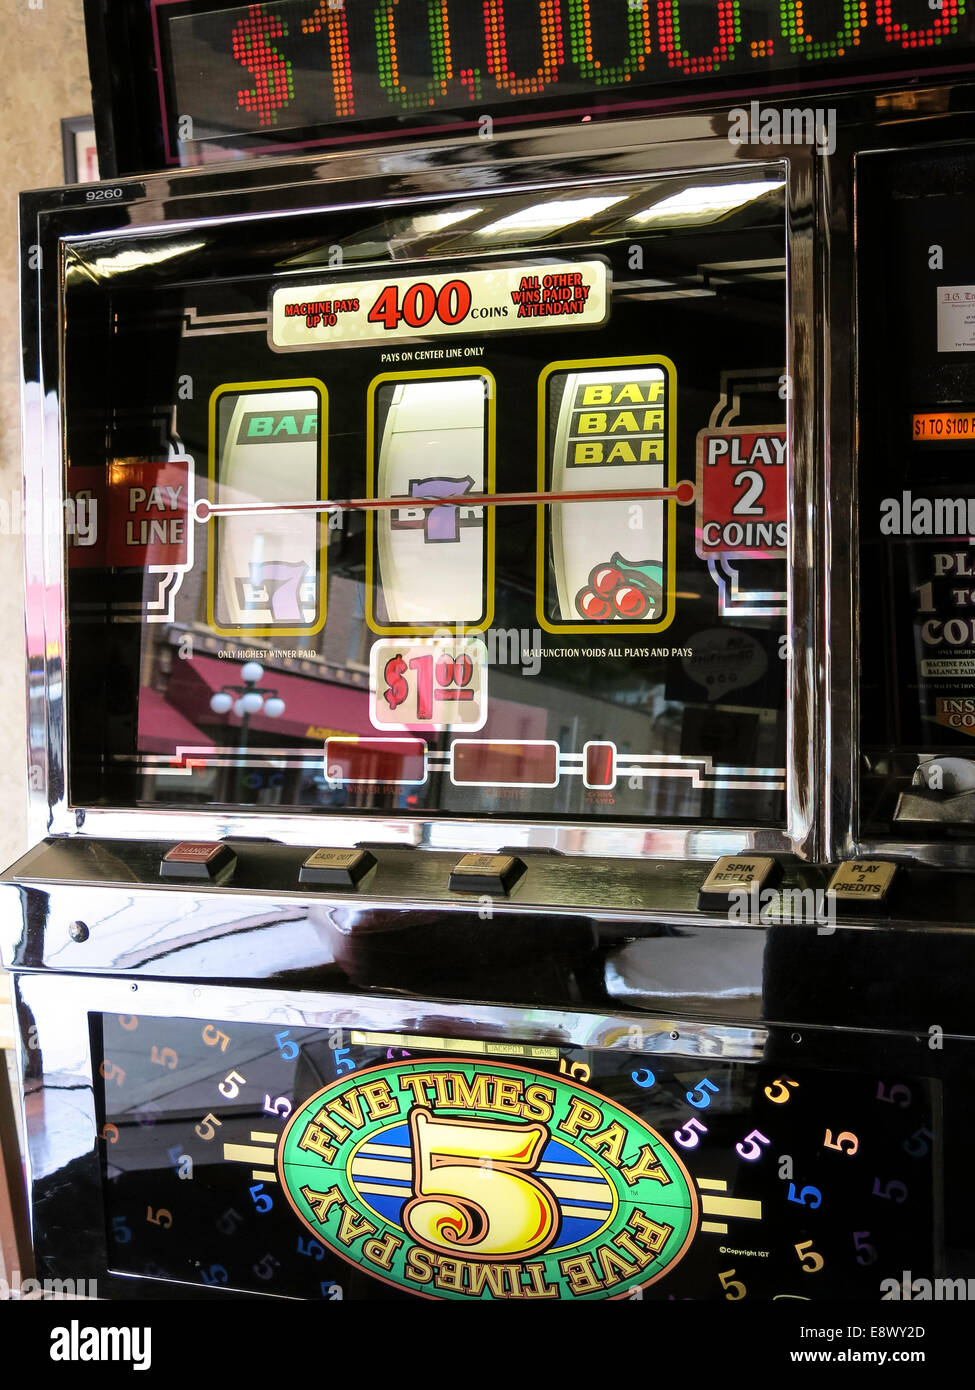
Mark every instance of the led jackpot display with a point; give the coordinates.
(283, 69)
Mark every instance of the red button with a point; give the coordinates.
(194, 852)
(205, 861)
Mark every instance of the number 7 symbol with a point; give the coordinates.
(441, 523)
(283, 596)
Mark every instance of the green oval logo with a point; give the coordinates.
(463, 1180)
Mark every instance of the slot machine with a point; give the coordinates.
(502, 816)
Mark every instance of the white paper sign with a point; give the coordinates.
(956, 318)
(508, 298)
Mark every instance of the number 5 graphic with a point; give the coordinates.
(474, 1195)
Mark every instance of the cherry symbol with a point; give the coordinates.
(593, 606)
(631, 602)
(605, 580)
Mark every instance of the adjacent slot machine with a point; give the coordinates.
(460, 870)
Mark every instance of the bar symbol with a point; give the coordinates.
(259, 1150)
(736, 1208)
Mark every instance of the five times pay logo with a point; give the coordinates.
(472, 1180)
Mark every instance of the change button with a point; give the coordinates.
(203, 861)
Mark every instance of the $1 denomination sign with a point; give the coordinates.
(428, 686)
(507, 298)
(466, 1180)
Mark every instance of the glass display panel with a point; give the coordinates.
(329, 1164)
(916, 337)
(239, 77)
(479, 508)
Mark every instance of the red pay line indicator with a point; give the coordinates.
(683, 494)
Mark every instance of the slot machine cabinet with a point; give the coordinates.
(431, 896)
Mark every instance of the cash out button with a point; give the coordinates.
(336, 868)
(202, 861)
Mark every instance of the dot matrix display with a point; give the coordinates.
(584, 50)
(553, 56)
(729, 31)
(802, 42)
(375, 61)
(333, 19)
(273, 73)
(388, 17)
(925, 35)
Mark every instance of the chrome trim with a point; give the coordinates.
(577, 1028)
(804, 706)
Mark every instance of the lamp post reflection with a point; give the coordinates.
(245, 701)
